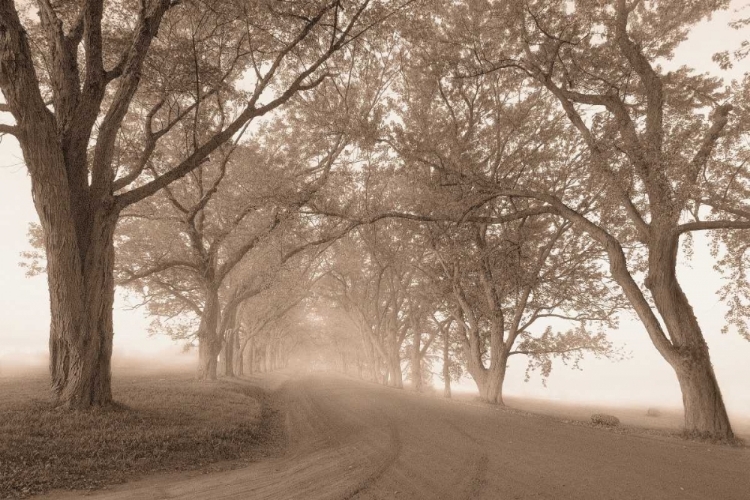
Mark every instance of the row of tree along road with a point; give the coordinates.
(391, 181)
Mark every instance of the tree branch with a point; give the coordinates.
(164, 266)
(651, 81)
(9, 129)
(711, 225)
(150, 19)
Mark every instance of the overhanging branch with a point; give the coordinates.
(711, 225)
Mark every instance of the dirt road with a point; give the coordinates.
(351, 440)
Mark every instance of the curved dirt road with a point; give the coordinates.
(352, 440)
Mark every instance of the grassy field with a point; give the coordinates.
(669, 419)
(161, 423)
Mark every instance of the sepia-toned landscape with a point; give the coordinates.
(375, 249)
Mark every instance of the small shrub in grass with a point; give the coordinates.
(653, 412)
(604, 419)
(157, 425)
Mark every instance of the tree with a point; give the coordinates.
(513, 278)
(650, 140)
(89, 126)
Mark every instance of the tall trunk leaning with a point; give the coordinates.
(705, 412)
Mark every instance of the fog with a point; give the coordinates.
(643, 379)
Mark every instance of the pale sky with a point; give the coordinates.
(645, 378)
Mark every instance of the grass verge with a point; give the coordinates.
(159, 424)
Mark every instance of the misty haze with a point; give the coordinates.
(375, 249)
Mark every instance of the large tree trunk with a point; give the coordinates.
(494, 386)
(76, 208)
(209, 344)
(489, 380)
(78, 228)
(207, 360)
(489, 383)
(81, 285)
(705, 413)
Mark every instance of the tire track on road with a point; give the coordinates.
(479, 467)
(392, 452)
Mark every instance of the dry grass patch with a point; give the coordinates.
(159, 424)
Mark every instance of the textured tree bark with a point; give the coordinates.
(494, 387)
(489, 380)
(81, 328)
(209, 345)
(705, 412)
(489, 383)
(207, 361)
